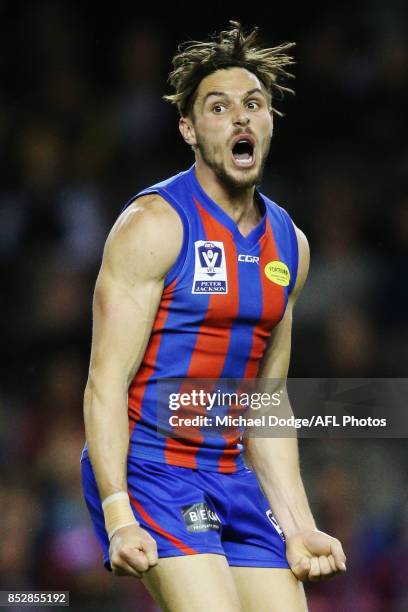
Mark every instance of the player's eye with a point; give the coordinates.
(253, 104)
(218, 108)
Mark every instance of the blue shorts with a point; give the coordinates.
(190, 512)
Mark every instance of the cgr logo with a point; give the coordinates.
(248, 259)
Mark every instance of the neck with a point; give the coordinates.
(239, 204)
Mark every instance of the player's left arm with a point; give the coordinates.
(311, 554)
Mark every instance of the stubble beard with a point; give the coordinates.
(233, 183)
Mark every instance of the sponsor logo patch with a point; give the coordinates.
(248, 258)
(275, 523)
(210, 273)
(278, 272)
(199, 517)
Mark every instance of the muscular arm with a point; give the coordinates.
(310, 553)
(127, 294)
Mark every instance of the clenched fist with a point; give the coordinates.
(314, 555)
(132, 551)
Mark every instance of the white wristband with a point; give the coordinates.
(118, 512)
(111, 498)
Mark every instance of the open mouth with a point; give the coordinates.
(243, 153)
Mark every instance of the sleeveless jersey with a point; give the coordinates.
(221, 299)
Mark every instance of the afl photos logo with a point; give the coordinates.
(210, 274)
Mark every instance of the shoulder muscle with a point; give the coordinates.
(145, 240)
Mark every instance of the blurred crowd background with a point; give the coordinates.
(83, 127)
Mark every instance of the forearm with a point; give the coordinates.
(276, 464)
(107, 434)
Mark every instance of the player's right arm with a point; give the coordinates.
(141, 248)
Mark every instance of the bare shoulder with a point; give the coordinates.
(146, 238)
(304, 262)
(149, 218)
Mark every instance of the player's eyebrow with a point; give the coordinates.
(252, 91)
(222, 94)
(219, 94)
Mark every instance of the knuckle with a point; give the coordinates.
(125, 552)
(143, 565)
(152, 550)
(302, 568)
(314, 570)
(122, 558)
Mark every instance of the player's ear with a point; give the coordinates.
(271, 114)
(186, 128)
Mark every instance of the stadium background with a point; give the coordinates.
(82, 128)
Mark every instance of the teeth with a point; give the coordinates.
(244, 162)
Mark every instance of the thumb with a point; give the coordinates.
(137, 559)
(302, 568)
(338, 554)
(150, 550)
(318, 543)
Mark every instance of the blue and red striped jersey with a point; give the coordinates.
(221, 299)
(216, 314)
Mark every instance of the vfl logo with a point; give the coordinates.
(210, 274)
(275, 523)
(209, 256)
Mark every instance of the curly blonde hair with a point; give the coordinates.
(230, 48)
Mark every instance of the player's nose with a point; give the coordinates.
(240, 117)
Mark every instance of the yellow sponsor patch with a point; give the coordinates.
(278, 273)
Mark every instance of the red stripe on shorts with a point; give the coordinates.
(150, 521)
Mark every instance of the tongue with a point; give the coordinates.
(242, 156)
